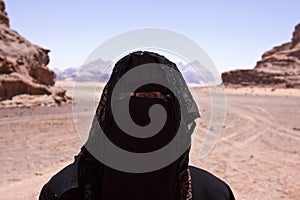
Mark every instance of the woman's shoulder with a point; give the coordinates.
(207, 186)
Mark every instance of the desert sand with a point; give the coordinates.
(258, 153)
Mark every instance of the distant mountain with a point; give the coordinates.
(197, 74)
(100, 71)
(97, 70)
(279, 67)
(68, 74)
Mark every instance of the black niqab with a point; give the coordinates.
(167, 183)
(89, 179)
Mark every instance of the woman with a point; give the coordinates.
(89, 178)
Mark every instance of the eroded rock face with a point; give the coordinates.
(279, 67)
(3, 15)
(23, 66)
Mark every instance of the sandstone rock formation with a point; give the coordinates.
(23, 66)
(279, 67)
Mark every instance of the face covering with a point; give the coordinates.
(167, 183)
(139, 110)
(160, 184)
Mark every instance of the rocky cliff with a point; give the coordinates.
(23, 66)
(279, 67)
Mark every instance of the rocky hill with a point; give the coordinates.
(23, 68)
(95, 71)
(279, 67)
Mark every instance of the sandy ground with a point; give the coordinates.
(258, 153)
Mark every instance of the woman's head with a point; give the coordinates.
(150, 79)
(148, 67)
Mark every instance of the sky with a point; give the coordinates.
(234, 34)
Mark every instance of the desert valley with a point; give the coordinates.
(257, 154)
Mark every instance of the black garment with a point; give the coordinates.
(209, 187)
(66, 184)
(161, 184)
(89, 179)
(145, 69)
(140, 108)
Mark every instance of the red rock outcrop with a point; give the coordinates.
(3, 15)
(279, 67)
(23, 66)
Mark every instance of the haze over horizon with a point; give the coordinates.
(234, 34)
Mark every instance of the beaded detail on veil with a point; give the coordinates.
(187, 187)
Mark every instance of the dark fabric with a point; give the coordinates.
(139, 58)
(65, 180)
(185, 114)
(161, 184)
(139, 108)
(89, 179)
(205, 186)
(209, 187)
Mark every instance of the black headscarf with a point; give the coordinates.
(168, 183)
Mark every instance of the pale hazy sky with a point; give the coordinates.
(233, 33)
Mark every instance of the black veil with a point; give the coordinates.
(169, 182)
